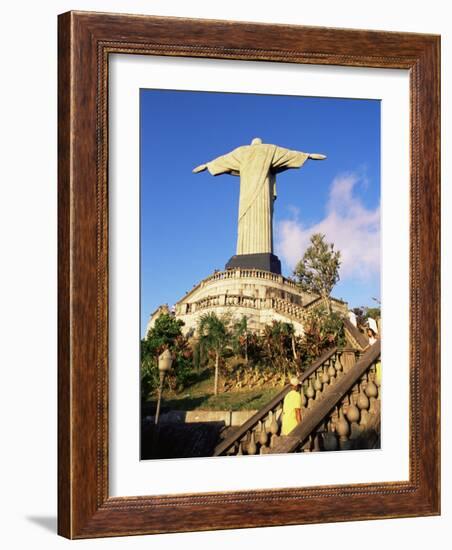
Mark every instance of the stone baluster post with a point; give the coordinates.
(343, 430)
(348, 359)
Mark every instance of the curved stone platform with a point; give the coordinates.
(260, 295)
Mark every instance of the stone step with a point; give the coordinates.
(280, 444)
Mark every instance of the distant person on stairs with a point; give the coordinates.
(373, 337)
(291, 416)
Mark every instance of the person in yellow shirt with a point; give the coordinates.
(378, 373)
(291, 416)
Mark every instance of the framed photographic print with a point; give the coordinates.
(248, 275)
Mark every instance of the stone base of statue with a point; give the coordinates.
(258, 294)
(264, 261)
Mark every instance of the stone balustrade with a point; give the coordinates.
(240, 273)
(343, 417)
(255, 273)
(323, 302)
(258, 434)
(289, 308)
(354, 423)
(262, 296)
(340, 410)
(278, 304)
(239, 300)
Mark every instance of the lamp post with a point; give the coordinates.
(165, 362)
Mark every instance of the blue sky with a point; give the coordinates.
(189, 221)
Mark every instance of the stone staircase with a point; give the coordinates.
(341, 410)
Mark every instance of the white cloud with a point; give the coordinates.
(354, 230)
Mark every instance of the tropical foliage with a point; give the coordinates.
(165, 334)
(363, 313)
(214, 337)
(323, 329)
(278, 342)
(241, 358)
(240, 338)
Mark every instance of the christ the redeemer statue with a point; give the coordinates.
(257, 165)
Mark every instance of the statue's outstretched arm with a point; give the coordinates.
(283, 159)
(316, 156)
(200, 168)
(226, 164)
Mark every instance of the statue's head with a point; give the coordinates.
(256, 141)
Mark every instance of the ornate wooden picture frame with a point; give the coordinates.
(86, 40)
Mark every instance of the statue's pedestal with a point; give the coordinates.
(265, 261)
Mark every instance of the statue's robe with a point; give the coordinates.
(257, 166)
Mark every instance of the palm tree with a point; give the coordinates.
(213, 336)
(240, 336)
(290, 330)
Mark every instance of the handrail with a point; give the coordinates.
(322, 300)
(356, 334)
(301, 432)
(251, 422)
